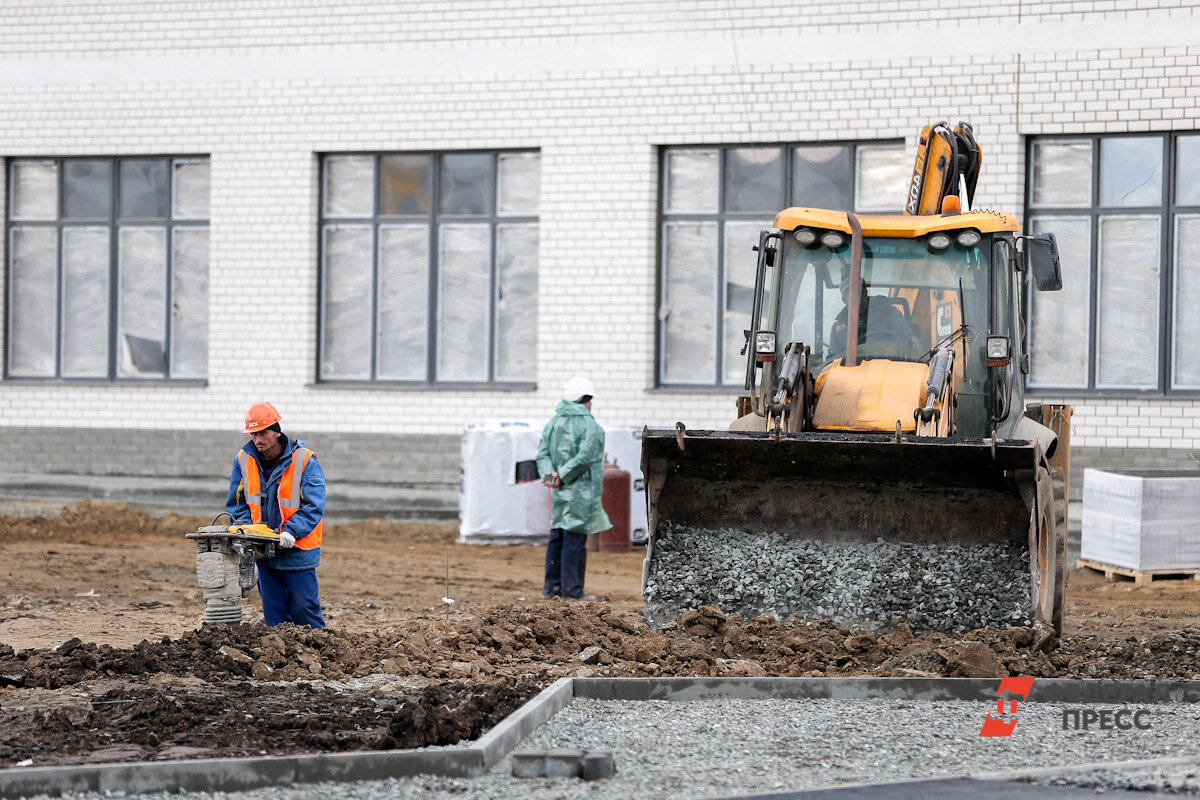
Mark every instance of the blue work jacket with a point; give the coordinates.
(311, 511)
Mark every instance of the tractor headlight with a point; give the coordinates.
(805, 236)
(998, 351)
(833, 239)
(764, 345)
(938, 241)
(968, 238)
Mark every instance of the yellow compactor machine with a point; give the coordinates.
(883, 467)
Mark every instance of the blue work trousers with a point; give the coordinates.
(290, 595)
(566, 563)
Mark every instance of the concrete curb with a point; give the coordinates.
(1045, 690)
(236, 774)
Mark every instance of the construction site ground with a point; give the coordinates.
(103, 658)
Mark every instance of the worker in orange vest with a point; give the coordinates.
(277, 481)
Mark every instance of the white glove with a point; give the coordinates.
(286, 540)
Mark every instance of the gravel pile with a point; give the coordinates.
(881, 584)
(669, 750)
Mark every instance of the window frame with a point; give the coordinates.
(434, 219)
(720, 217)
(113, 224)
(1167, 211)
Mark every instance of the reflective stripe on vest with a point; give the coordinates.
(289, 498)
(289, 493)
(250, 485)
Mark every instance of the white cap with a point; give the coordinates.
(576, 388)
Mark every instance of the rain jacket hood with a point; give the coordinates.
(573, 446)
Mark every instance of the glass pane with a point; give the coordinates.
(516, 303)
(689, 298)
(1062, 174)
(464, 255)
(468, 184)
(691, 177)
(741, 264)
(34, 254)
(403, 301)
(1186, 367)
(35, 190)
(881, 182)
(1131, 171)
(141, 331)
(404, 184)
(145, 188)
(347, 311)
(191, 189)
(189, 303)
(823, 177)
(349, 186)
(85, 302)
(754, 179)
(87, 189)
(520, 181)
(1128, 302)
(1187, 171)
(1058, 341)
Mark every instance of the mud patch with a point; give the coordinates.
(150, 722)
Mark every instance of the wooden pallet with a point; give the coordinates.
(1138, 576)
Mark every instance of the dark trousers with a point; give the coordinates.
(566, 562)
(290, 595)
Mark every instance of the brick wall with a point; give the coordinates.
(415, 460)
(265, 88)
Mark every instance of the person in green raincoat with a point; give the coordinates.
(570, 460)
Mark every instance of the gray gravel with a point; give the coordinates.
(879, 584)
(666, 749)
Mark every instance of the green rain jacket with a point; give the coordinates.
(573, 446)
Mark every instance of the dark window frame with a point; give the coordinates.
(113, 223)
(433, 218)
(1167, 211)
(720, 217)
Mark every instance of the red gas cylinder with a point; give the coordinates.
(615, 499)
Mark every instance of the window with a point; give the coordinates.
(108, 268)
(429, 267)
(715, 200)
(1126, 213)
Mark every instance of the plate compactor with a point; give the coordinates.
(225, 565)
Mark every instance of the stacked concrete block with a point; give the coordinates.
(1142, 519)
(559, 762)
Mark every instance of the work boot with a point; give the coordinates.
(583, 597)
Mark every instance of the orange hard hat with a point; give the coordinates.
(261, 415)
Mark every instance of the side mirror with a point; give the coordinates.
(1041, 256)
(768, 243)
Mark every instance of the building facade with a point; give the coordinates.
(396, 219)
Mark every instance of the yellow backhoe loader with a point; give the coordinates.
(882, 468)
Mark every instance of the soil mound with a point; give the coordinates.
(89, 519)
(549, 640)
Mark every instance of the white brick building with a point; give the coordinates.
(272, 96)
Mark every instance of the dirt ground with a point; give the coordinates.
(103, 656)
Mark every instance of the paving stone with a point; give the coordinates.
(563, 763)
(597, 764)
(529, 763)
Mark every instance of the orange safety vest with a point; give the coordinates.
(289, 493)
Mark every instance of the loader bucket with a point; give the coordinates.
(939, 534)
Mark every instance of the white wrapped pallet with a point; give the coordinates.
(1141, 519)
(497, 508)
